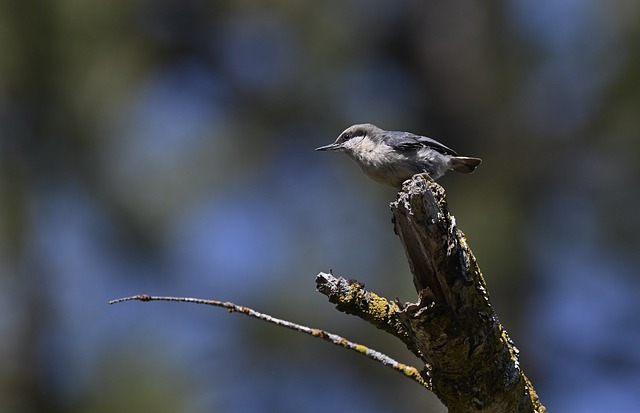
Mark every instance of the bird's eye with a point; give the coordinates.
(345, 137)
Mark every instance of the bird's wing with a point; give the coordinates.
(405, 141)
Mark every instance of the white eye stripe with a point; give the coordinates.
(349, 137)
(354, 140)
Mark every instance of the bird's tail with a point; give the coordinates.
(464, 164)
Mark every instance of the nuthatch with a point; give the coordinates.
(392, 157)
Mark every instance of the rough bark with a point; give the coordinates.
(471, 364)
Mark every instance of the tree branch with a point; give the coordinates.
(472, 362)
(409, 371)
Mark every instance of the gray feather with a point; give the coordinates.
(406, 141)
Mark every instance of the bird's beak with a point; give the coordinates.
(331, 147)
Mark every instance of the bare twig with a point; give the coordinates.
(409, 371)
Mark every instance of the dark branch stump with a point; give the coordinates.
(470, 362)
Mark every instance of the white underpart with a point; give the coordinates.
(383, 164)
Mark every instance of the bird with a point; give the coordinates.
(392, 157)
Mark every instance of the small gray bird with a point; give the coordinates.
(392, 157)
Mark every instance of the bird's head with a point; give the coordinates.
(353, 137)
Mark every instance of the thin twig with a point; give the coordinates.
(409, 371)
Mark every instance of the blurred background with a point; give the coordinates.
(166, 147)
